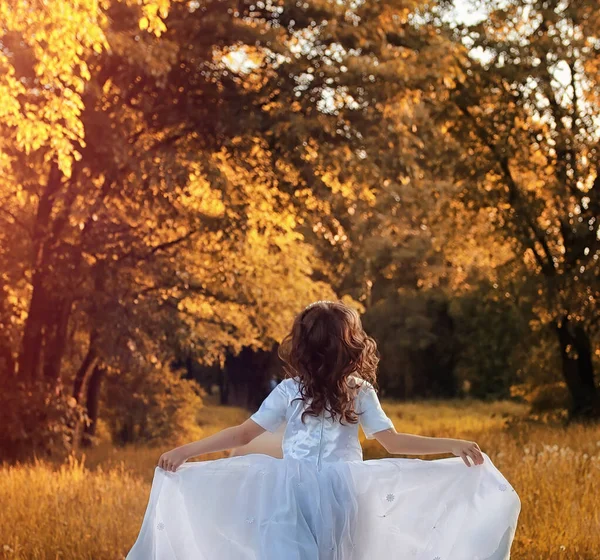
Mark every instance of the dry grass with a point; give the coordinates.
(68, 513)
(92, 510)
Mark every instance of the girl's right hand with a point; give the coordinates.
(464, 449)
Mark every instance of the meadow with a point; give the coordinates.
(91, 507)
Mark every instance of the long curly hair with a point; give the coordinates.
(327, 344)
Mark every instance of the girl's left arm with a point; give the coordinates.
(236, 436)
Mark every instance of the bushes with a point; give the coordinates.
(150, 406)
(157, 406)
(37, 418)
(543, 398)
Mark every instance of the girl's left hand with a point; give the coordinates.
(172, 460)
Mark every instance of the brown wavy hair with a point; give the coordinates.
(327, 344)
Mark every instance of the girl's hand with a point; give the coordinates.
(172, 460)
(464, 449)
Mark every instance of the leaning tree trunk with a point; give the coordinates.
(85, 371)
(81, 384)
(578, 370)
(93, 401)
(86, 386)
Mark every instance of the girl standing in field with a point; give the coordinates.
(322, 501)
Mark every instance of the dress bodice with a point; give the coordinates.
(320, 439)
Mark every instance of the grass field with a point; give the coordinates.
(91, 507)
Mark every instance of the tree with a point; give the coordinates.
(164, 202)
(519, 120)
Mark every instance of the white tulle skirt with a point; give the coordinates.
(257, 507)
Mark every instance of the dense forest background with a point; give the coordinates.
(179, 178)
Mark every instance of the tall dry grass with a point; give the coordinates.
(91, 509)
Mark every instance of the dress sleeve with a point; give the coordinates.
(373, 419)
(271, 413)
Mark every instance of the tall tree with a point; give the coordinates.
(519, 121)
(164, 200)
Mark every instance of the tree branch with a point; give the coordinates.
(16, 220)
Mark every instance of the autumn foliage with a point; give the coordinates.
(177, 179)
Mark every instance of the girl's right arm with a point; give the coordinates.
(234, 436)
(409, 444)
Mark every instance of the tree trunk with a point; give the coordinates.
(30, 359)
(80, 385)
(55, 339)
(85, 370)
(33, 333)
(578, 371)
(45, 333)
(223, 387)
(7, 360)
(247, 377)
(93, 401)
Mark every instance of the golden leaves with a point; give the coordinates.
(62, 37)
(200, 196)
(154, 11)
(265, 263)
(59, 36)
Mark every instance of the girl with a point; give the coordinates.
(322, 501)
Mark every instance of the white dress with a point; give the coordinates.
(322, 501)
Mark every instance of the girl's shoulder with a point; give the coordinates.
(358, 382)
(290, 385)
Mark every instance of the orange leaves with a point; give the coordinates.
(154, 11)
(449, 82)
(58, 36)
(61, 37)
(200, 196)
